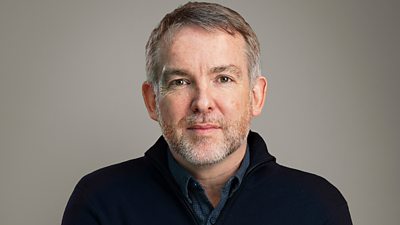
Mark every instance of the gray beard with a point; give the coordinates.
(202, 151)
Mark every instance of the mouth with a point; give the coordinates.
(204, 128)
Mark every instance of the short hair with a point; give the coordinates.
(209, 16)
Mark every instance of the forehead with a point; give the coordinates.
(192, 46)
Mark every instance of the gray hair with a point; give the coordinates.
(209, 16)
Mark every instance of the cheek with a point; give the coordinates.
(235, 103)
(173, 107)
(230, 108)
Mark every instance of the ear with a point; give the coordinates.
(149, 98)
(258, 95)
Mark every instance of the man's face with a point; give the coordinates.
(204, 106)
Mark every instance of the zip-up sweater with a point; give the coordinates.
(142, 191)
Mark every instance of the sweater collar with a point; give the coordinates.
(259, 154)
(183, 178)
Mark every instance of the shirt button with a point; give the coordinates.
(213, 220)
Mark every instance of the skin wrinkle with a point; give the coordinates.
(155, 57)
(202, 85)
(204, 103)
(168, 73)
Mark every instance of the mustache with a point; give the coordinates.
(204, 118)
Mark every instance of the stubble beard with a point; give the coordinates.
(206, 150)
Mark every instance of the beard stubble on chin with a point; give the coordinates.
(206, 150)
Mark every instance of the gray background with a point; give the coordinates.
(70, 97)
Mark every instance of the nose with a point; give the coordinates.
(202, 101)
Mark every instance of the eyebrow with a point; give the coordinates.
(227, 68)
(167, 72)
(173, 71)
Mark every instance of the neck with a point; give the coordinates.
(213, 177)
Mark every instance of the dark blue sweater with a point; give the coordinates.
(142, 191)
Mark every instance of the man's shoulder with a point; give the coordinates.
(292, 187)
(290, 180)
(132, 177)
(116, 177)
(279, 191)
(310, 184)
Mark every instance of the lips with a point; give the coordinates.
(204, 129)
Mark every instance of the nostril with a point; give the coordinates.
(195, 110)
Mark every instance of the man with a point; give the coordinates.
(204, 87)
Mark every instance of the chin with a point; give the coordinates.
(205, 153)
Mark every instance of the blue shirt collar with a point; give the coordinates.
(183, 177)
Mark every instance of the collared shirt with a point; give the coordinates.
(194, 193)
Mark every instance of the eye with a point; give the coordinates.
(179, 82)
(224, 79)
